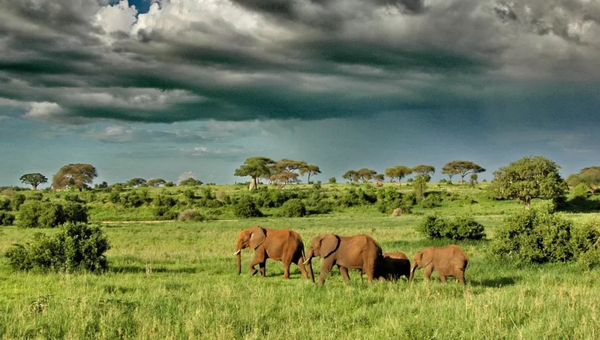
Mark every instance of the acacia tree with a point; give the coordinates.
(351, 176)
(462, 168)
(399, 172)
(529, 178)
(74, 176)
(424, 170)
(589, 176)
(366, 174)
(309, 170)
(136, 182)
(33, 179)
(255, 167)
(284, 177)
(156, 182)
(379, 177)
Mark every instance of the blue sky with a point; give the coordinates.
(162, 88)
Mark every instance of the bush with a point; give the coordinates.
(431, 201)
(293, 208)
(77, 246)
(4, 204)
(164, 213)
(6, 218)
(580, 191)
(539, 236)
(17, 201)
(246, 208)
(169, 184)
(114, 197)
(191, 215)
(462, 228)
(317, 186)
(35, 214)
(332, 180)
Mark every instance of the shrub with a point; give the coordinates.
(191, 215)
(539, 236)
(6, 218)
(464, 227)
(164, 213)
(431, 201)
(580, 191)
(317, 186)
(4, 204)
(246, 208)
(169, 184)
(36, 196)
(35, 214)
(134, 199)
(17, 201)
(77, 246)
(332, 180)
(114, 197)
(293, 208)
(164, 201)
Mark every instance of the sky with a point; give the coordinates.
(161, 88)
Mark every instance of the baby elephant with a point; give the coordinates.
(447, 261)
(392, 266)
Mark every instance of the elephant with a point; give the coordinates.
(283, 245)
(447, 261)
(354, 252)
(392, 266)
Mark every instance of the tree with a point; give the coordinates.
(33, 179)
(351, 176)
(529, 178)
(156, 182)
(136, 182)
(420, 185)
(190, 182)
(461, 168)
(255, 167)
(589, 176)
(366, 174)
(74, 176)
(379, 177)
(284, 177)
(474, 178)
(398, 171)
(309, 170)
(424, 170)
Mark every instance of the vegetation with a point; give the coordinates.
(36, 214)
(590, 177)
(293, 208)
(461, 228)
(33, 179)
(398, 172)
(78, 176)
(462, 168)
(246, 208)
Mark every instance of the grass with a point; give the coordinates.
(177, 280)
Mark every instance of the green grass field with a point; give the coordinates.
(175, 280)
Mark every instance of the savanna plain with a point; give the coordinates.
(178, 279)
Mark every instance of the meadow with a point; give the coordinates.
(175, 280)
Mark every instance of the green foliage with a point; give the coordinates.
(190, 182)
(191, 215)
(255, 167)
(332, 180)
(398, 172)
(36, 214)
(169, 184)
(420, 185)
(77, 246)
(245, 207)
(431, 201)
(461, 228)
(164, 213)
(539, 236)
(580, 191)
(114, 197)
(78, 176)
(317, 186)
(6, 218)
(16, 201)
(461, 168)
(134, 199)
(33, 179)
(4, 204)
(293, 208)
(136, 182)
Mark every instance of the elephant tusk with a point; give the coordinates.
(305, 262)
(237, 252)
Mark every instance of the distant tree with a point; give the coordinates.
(529, 178)
(136, 182)
(366, 174)
(473, 179)
(424, 170)
(589, 176)
(255, 167)
(33, 179)
(284, 177)
(332, 180)
(74, 176)
(379, 177)
(156, 182)
(102, 185)
(462, 168)
(398, 171)
(190, 182)
(351, 176)
(310, 170)
(420, 185)
(289, 165)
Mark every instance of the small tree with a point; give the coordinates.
(473, 180)
(309, 170)
(156, 182)
(136, 182)
(424, 170)
(398, 171)
(366, 174)
(351, 176)
(529, 178)
(33, 179)
(379, 177)
(332, 180)
(284, 177)
(74, 176)
(589, 176)
(462, 168)
(190, 182)
(255, 167)
(421, 185)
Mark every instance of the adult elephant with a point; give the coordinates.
(354, 252)
(447, 261)
(277, 244)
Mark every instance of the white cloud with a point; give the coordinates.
(118, 17)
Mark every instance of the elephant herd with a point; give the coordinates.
(360, 252)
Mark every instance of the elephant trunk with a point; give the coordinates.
(412, 271)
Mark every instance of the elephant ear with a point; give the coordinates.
(426, 257)
(329, 244)
(257, 237)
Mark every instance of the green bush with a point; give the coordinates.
(191, 215)
(245, 207)
(6, 218)
(431, 201)
(332, 180)
(77, 246)
(36, 214)
(539, 236)
(164, 213)
(580, 191)
(293, 208)
(461, 228)
(114, 197)
(4, 204)
(17, 201)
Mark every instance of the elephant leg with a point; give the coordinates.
(300, 263)
(260, 259)
(443, 278)
(325, 268)
(428, 271)
(460, 275)
(286, 269)
(345, 275)
(262, 268)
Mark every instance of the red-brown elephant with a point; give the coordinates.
(447, 261)
(277, 244)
